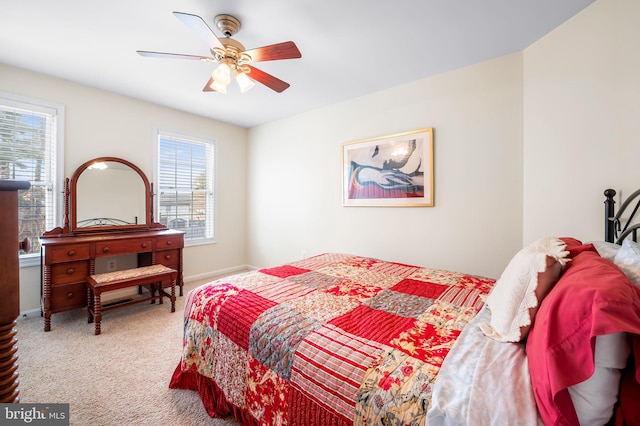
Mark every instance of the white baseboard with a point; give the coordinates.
(218, 273)
(33, 313)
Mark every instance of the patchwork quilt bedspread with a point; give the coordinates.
(334, 339)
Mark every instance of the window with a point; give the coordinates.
(186, 185)
(31, 149)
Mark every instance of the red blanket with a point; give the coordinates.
(325, 341)
(592, 298)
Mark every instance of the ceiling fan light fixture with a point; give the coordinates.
(231, 55)
(221, 77)
(244, 82)
(222, 74)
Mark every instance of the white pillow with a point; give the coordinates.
(594, 399)
(606, 250)
(527, 279)
(628, 260)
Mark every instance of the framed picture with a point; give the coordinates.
(394, 170)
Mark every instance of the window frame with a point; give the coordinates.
(161, 132)
(18, 101)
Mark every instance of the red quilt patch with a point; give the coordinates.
(419, 288)
(372, 324)
(238, 314)
(284, 271)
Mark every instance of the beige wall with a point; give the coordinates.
(525, 145)
(105, 124)
(294, 175)
(581, 109)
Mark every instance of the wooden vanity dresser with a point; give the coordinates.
(69, 253)
(68, 261)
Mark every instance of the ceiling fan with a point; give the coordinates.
(231, 56)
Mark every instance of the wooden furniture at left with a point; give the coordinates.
(98, 189)
(9, 289)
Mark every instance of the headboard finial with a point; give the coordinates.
(609, 193)
(609, 211)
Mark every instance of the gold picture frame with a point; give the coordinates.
(392, 170)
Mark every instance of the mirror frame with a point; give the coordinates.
(73, 195)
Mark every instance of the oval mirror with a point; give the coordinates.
(109, 193)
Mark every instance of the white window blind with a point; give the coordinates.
(29, 151)
(186, 185)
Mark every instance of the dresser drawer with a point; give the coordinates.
(65, 273)
(170, 258)
(69, 296)
(164, 243)
(113, 248)
(70, 252)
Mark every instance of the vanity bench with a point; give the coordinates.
(157, 277)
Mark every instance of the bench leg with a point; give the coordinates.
(97, 310)
(152, 290)
(89, 304)
(173, 295)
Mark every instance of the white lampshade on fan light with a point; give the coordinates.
(222, 78)
(244, 82)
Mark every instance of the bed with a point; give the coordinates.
(340, 339)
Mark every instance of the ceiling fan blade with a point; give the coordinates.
(267, 79)
(207, 87)
(200, 27)
(171, 55)
(285, 50)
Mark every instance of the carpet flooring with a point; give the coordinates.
(119, 377)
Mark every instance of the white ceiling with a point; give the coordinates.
(349, 47)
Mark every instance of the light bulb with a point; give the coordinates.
(98, 166)
(244, 82)
(222, 74)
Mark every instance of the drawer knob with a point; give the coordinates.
(144, 245)
(105, 249)
(70, 271)
(69, 295)
(71, 253)
(167, 256)
(169, 242)
(25, 245)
